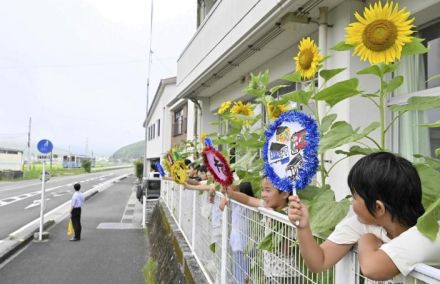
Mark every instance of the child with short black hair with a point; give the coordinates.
(387, 201)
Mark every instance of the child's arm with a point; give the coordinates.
(317, 257)
(243, 198)
(223, 203)
(375, 263)
(200, 187)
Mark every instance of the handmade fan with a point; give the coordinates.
(290, 151)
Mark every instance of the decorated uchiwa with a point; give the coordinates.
(179, 172)
(290, 151)
(217, 164)
(160, 169)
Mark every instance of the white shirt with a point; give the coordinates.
(406, 250)
(239, 228)
(77, 200)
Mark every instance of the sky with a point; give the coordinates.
(79, 68)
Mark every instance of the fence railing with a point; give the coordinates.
(242, 244)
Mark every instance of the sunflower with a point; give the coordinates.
(243, 109)
(276, 110)
(308, 58)
(380, 33)
(203, 137)
(224, 107)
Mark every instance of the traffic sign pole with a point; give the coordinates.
(45, 147)
(43, 185)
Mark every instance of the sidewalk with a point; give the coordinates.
(113, 247)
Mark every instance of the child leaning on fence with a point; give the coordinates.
(278, 263)
(238, 235)
(387, 200)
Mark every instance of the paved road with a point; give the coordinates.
(102, 256)
(20, 201)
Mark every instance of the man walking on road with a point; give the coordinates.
(75, 211)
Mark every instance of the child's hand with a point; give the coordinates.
(211, 196)
(298, 213)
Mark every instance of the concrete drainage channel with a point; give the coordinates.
(21, 237)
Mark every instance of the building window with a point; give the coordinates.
(408, 137)
(179, 125)
(158, 128)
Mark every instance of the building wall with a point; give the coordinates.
(160, 144)
(357, 111)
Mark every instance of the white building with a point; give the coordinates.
(167, 124)
(236, 38)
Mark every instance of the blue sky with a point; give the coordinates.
(79, 68)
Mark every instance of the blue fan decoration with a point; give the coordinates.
(290, 152)
(160, 169)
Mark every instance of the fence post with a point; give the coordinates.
(172, 200)
(180, 204)
(345, 269)
(224, 251)
(193, 233)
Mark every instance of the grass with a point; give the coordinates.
(55, 170)
(150, 271)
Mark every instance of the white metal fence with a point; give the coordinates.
(250, 245)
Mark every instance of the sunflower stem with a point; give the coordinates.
(382, 114)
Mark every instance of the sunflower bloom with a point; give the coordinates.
(243, 109)
(381, 33)
(276, 110)
(203, 137)
(308, 58)
(224, 107)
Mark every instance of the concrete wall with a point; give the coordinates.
(175, 262)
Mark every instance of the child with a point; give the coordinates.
(387, 200)
(239, 229)
(277, 266)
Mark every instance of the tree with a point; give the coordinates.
(87, 165)
(139, 168)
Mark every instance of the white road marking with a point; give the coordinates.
(36, 203)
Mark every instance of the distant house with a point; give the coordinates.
(11, 162)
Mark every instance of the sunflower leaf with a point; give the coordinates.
(356, 150)
(390, 67)
(414, 47)
(327, 74)
(418, 103)
(395, 83)
(339, 91)
(428, 223)
(299, 96)
(372, 70)
(430, 178)
(435, 77)
(293, 77)
(342, 46)
(276, 88)
(326, 212)
(327, 122)
(431, 125)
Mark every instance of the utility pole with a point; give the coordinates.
(29, 144)
(145, 174)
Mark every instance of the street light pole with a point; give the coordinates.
(145, 173)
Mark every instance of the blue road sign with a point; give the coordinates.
(45, 146)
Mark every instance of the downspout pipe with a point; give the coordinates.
(322, 42)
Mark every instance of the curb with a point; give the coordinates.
(21, 237)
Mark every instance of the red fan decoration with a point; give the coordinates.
(217, 164)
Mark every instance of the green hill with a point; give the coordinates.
(130, 152)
